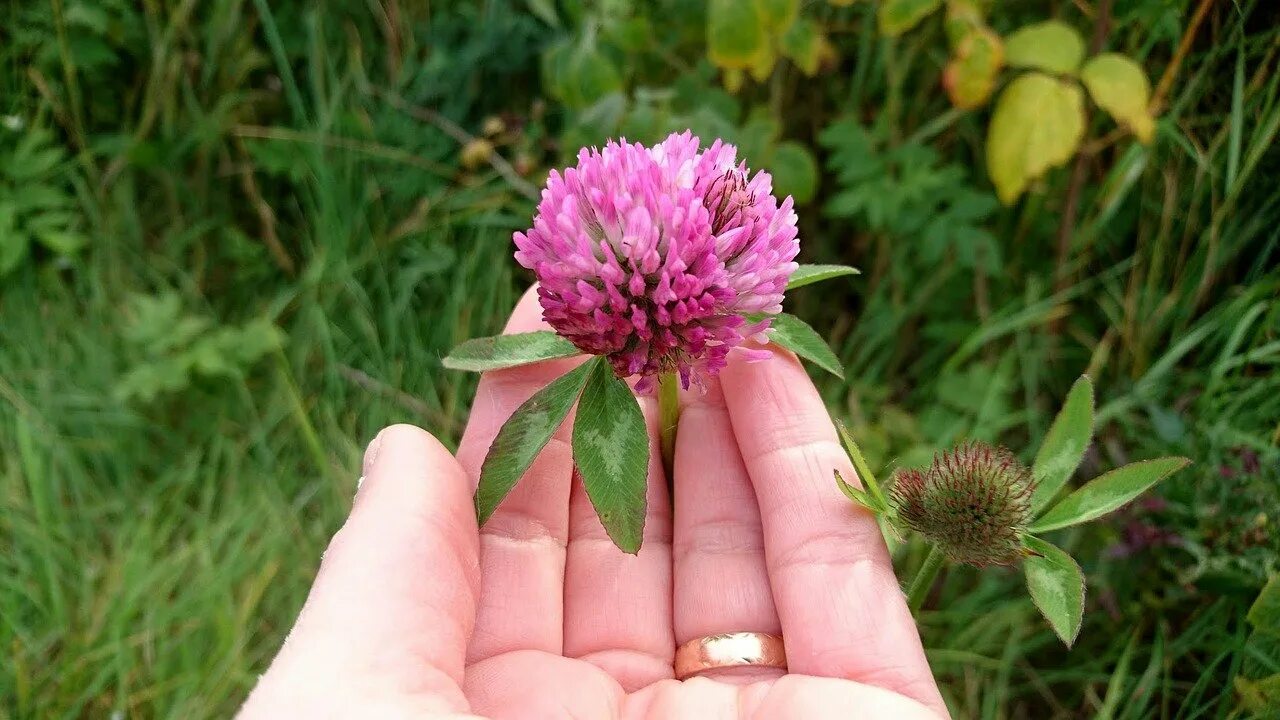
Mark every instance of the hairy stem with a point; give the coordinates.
(923, 581)
(668, 417)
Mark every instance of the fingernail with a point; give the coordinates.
(371, 454)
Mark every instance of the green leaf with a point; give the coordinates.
(1259, 696)
(860, 497)
(1118, 685)
(861, 465)
(504, 351)
(794, 171)
(810, 274)
(804, 44)
(778, 15)
(578, 73)
(63, 242)
(13, 250)
(1108, 492)
(13, 244)
(1264, 615)
(970, 77)
(795, 335)
(1064, 445)
(524, 435)
(611, 450)
(1119, 86)
(545, 10)
(1037, 124)
(762, 66)
(963, 17)
(898, 16)
(735, 34)
(1056, 585)
(1052, 46)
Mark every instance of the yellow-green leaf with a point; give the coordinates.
(1261, 695)
(1264, 614)
(735, 34)
(898, 16)
(778, 14)
(1037, 124)
(762, 64)
(963, 16)
(803, 44)
(1052, 46)
(971, 75)
(733, 79)
(1119, 86)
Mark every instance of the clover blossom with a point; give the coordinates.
(661, 259)
(973, 501)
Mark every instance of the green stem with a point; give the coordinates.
(924, 578)
(668, 416)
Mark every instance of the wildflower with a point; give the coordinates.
(662, 259)
(973, 501)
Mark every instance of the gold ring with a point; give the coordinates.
(736, 649)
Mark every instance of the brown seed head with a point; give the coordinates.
(973, 501)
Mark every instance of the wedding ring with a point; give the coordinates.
(737, 649)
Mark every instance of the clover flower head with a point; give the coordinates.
(973, 501)
(662, 259)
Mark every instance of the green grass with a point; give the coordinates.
(259, 159)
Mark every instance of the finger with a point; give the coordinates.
(522, 546)
(842, 611)
(527, 684)
(617, 607)
(721, 584)
(793, 697)
(797, 697)
(394, 601)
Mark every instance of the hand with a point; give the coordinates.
(416, 613)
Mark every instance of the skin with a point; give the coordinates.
(417, 613)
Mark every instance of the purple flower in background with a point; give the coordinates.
(654, 257)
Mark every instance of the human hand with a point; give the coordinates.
(416, 613)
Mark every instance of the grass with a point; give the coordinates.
(261, 159)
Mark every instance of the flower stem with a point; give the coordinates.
(668, 416)
(923, 581)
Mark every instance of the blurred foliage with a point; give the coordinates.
(176, 347)
(37, 207)
(273, 218)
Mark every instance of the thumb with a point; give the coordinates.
(392, 607)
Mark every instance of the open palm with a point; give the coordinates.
(415, 613)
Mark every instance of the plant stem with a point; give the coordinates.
(668, 417)
(923, 581)
(1184, 47)
(1079, 173)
